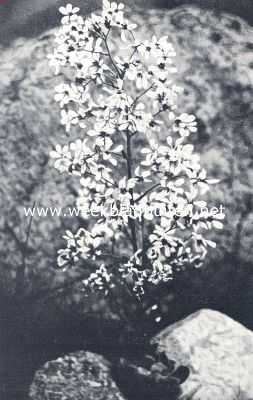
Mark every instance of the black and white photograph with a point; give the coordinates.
(126, 200)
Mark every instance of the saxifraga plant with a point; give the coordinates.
(140, 197)
(142, 204)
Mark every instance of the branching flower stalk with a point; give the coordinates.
(140, 195)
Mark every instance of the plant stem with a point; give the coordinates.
(129, 172)
(147, 192)
(21, 272)
(141, 94)
(110, 56)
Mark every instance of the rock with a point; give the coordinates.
(28, 18)
(80, 376)
(242, 8)
(216, 70)
(152, 377)
(218, 352)
(29, 127)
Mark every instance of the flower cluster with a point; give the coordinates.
(117, 102)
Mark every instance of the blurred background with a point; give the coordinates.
(43, 312)
(30, 17)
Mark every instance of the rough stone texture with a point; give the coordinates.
(242, 8)
(215, 68)
(29, 126)
(218, 351)
(30, 17)
(79, 376)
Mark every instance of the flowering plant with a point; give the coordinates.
(143, 194)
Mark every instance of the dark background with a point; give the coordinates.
(30, 17)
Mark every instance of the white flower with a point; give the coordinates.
(142, 176)
(70, 238)
(62, 94)
(135, 73)
(100, 172)
(82, 155)
(111, 12)
(123, 192)
(60, 151)
(159, 71)
(217, 224)
(66, 258)
(100, 280)
(57, 60)
(62, 157)
(113, 7)
(69, 9)
(68, 118)
(201, 244)
(119, 103)
(161, 235)
(126, 27)
(147, 48)
(63, 257)
(185, 124)
(151, 153)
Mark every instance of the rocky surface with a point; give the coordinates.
(218, 351)
(80, 376)
(242, 8)
(30, 17)
(215, 68)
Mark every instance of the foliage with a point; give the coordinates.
(147, 214)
